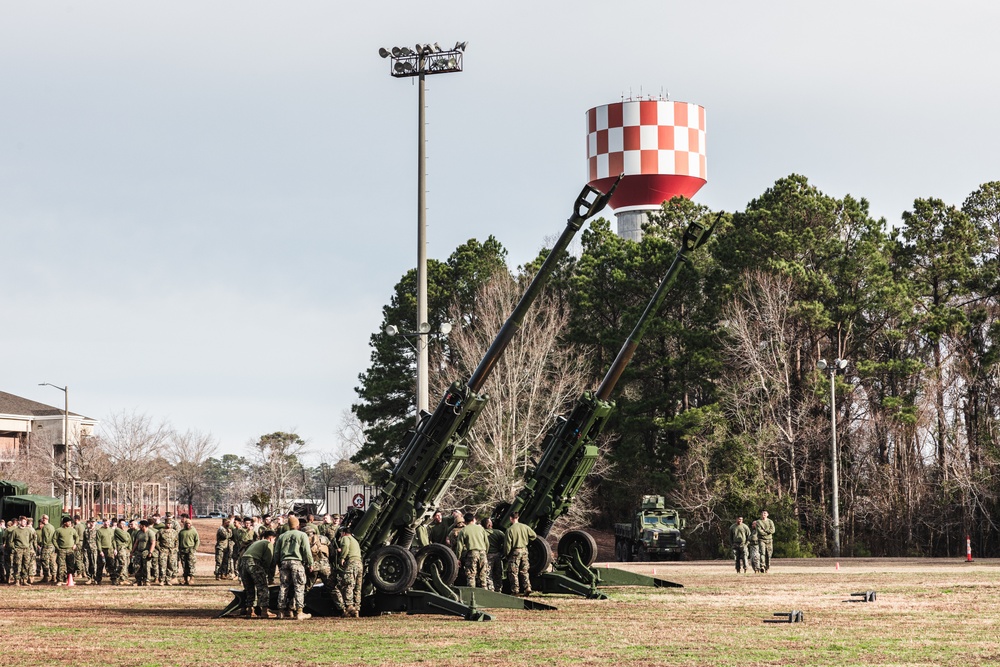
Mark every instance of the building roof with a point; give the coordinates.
(16, 405)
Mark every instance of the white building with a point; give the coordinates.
(25, 424)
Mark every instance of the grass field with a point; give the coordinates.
(928, 612)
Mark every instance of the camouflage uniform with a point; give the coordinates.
(471, 545)
(90, 552)
(154, 561)
(66, 539)
(254, 566)
(22, 547)
(754, 544)
(105, 537)
(494, 558)
(141, 545)
(187, 550)
(516, 545)
(166, 549)
(739, 533)
(352, 577)
(123, 551)
(765, 532)
(452, 539)
(46, 535)
(223, 550)
(319, 545)
(292, 550)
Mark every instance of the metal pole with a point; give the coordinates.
(422, 380)
(66, 442)
(833, 457)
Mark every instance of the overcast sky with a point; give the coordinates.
(205, 205)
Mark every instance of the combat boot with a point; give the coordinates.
(263, 612)
(247, 612)
(301, 615)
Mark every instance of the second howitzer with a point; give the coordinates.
(568, 456)
(433, 455)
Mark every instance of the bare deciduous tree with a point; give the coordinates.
(187, 453)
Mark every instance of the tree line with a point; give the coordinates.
(724, 408)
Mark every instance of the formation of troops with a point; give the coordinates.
(753, 543)
(298, 553)
(145, 552)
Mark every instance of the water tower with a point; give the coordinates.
(660, 147)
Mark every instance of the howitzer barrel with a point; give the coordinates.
(584, 208)
(694, 237)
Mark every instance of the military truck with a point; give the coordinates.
(654, 534)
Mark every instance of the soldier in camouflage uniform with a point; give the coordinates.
(4, 562)
(255, 564)
(90, 552)
(516, 546)
(155, 526)
(754, 547)
(294, 556)
(456, 527)
(353, 573)
(21, 542)
(319, 545)
(765, 534)
(494, 556)
(223, 549)
(187, 550)
(739, 534)
(105, 537)
(66, 541)
(166, 549)
(472, 543)
(143, 546)
(46, 537)
(123, 552)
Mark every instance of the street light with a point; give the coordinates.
(65, 391)
(838, 364)
(423, 330)
(423, 60)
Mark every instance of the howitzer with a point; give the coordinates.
(569, 454)
(434, 454)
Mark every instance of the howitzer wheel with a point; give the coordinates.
(441, 557)
(539, 556)
(392, 569)
(583, 543)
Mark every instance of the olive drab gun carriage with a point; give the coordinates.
(568, 456)
(433, 455)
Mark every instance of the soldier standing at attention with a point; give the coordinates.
(516, 546)
(89, 545)
(66, 539)
(473, 543)
(353, 572)
(105, 536)
(123, 551)
(494, 556)
(754, 546)
(166, 549)
(223, 549)
(142, 548)
(294, 556)
(765, 532)
(21, 542)
(254, 566)
(187, 550)
(739, 533)
(46, 537)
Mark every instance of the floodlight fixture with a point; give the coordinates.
(821, 364)
(424, 328)
(382, 52)
(391, 330)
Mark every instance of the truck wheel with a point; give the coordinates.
(643, 555)
(441, 557)
(582, 543)
(618, 551)
(392, 569)
(539, 556)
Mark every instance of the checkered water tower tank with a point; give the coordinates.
(660, 147)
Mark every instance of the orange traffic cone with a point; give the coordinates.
(69, 579)
(968, 549)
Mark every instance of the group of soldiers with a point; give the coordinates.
(148, 550)
(755, 541)
(299, 553)
(483, 549)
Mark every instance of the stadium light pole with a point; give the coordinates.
(65, 391)
(838, 364)
(418, 62)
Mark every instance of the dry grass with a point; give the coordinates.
(928, 612)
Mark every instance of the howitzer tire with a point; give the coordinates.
(392, 569)
(581, 542)
(539, 556)
(441, 557)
